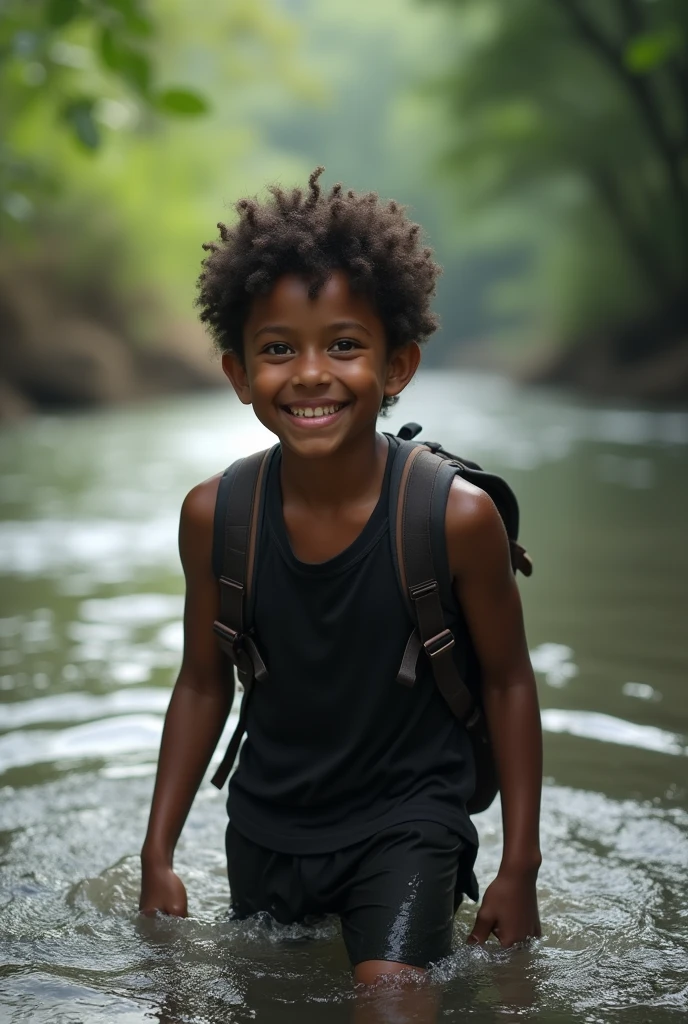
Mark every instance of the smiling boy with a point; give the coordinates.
(350, 792)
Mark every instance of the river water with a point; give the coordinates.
(90, 637)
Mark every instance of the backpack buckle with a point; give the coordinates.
(225, 581)
(440, 643)
(230, 640)
(242, 652)
(423, 589)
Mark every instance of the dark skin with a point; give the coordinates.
(315, 372)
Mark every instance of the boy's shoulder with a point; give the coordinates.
(198, 507)
(474, 528)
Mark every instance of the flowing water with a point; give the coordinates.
(90, 636)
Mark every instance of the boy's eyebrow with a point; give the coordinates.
(340, 325)
(272, 329)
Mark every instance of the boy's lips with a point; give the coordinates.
(314, 413)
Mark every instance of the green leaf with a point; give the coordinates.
(79, 115)
(130, 64)
(137, 22)
(651, 50)
(136, 69)
(60, 12)
(182, 101)
(109, 49)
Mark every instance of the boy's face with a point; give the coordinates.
(316, 370)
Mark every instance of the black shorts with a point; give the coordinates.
(395, 893)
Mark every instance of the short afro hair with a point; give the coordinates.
(313, 234)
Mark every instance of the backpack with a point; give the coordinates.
(421, 476)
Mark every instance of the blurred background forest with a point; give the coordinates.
(543, 145)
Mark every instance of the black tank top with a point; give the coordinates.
(336, 749)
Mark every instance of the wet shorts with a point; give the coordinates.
(395, 893)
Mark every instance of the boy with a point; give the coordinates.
(350, 793)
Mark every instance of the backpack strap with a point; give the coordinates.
(419, 474)
(241, 490)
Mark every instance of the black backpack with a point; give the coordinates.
(422, 475)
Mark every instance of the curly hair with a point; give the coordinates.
(313, 234)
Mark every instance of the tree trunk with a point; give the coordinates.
(647, 106)
(646, 258)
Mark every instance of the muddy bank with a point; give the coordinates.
(645, 360)
(59, 351)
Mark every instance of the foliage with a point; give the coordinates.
(565, 159)
(78, 60)
(155, 185)
(571, 118)
(337, 86)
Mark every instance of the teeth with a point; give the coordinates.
(309, 412)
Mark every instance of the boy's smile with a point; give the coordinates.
(317, 413)
(316, 370)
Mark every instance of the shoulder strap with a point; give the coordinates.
(242, 495)
(240, 533)
(221, 502)
(419, 473)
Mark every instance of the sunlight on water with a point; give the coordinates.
(90, 639)
(592, 725)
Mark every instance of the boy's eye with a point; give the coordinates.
(345, 345)
(277, 348)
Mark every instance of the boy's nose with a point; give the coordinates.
(311, 372)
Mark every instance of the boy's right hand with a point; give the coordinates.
(162, 890)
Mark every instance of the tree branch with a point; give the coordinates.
(644, 101)
(632, 16)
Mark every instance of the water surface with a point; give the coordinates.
(90, 638)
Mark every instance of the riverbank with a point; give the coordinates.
(84, 365)
(644, 360)
(79, 347)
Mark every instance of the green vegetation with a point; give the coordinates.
(79, 62)
(101, 243)
(543, 144)
(568, 132)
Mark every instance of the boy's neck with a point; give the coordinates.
(350, 476)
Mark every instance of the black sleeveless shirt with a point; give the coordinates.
(336, 749)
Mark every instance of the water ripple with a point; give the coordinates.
(593, 725)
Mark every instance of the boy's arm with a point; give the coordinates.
(198, 710)
(484, 584)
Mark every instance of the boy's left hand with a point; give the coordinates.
(509, 910)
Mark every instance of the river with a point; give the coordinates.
(90, 637)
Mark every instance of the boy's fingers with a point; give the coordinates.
(481, 929)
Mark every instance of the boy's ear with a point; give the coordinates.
(235, 371)
(401, 366)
